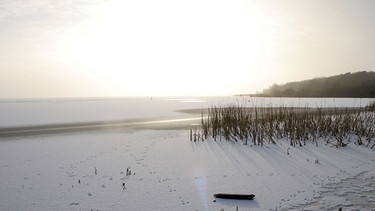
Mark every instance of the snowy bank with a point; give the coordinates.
(169, 172)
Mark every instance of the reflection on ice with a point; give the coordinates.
(199, 175)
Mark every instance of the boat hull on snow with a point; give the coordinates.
(234, 196)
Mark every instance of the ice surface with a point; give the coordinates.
(26, 112)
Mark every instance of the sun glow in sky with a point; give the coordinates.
(81, 48)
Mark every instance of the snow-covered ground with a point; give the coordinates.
(169, 172)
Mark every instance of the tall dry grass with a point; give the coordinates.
(260, 125)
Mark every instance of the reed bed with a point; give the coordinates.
(260, 125)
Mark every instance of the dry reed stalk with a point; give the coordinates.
(298, 125)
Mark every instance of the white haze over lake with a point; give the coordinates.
(115, 48)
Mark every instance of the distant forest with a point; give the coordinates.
(357, 85)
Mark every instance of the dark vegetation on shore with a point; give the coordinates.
(351, 85)
(260, 125)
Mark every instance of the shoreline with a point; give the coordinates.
(171, 123)
(191, 118)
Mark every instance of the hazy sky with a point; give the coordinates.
(88, 48)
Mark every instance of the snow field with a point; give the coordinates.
(169, 172)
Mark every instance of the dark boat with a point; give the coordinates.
(234, 196)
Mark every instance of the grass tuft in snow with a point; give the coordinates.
(259, 125)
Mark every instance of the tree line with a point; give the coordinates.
(352, 85)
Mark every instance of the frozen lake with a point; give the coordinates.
(27, 112)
